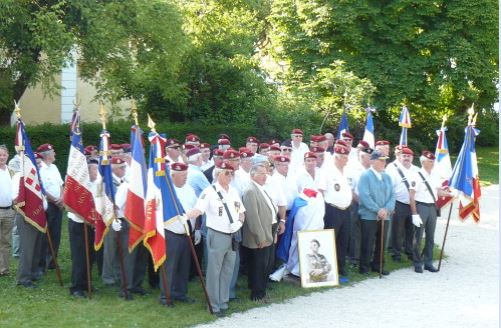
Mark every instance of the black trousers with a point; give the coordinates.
(177, 265)
(78, 256)
(258, 266)
(402, 230)
(271, 262)
(370, 253)
(54, 221)
(339, 220)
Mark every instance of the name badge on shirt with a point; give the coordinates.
(237, 206)
(337, 187)
(220, 209)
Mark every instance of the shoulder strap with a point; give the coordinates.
(404, 179)
(224, 203)
(428, 186)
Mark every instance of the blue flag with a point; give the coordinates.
(343, 125)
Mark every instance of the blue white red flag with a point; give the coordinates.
(443, 167)
(105, 196)
(343, 125)
(465, 177)
(29, 202)
(77, 194)
(162, 204)
(135, 206)
(403, 137)
(369, 129)
(405, 122)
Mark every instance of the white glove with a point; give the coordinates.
(416, 220)
(235, 226)
(198, 237)
(116, 225)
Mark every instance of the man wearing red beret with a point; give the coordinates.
(53, 186)
(299, 148)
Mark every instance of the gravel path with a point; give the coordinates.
(465, 293)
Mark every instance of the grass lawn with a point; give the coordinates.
(488, 165)
(51, 305)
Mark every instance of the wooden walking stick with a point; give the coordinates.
(54, 258)
(381, 254)
(87, 262)
(445, 236)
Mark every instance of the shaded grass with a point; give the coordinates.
(51, 305)
(488, 165)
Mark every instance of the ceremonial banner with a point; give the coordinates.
(405, 122)
(77, 194)
(369, 130)
(162, 204)
(29, 202)
(343, 126)
(465, 177)
(134, 206)
(443, 165)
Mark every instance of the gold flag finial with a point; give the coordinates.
(444, 119)
(471, 114)
(151, 124)
(102, 114)
(77, 102)
(133, 110)
(17, 110)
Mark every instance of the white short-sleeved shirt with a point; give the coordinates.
(210, 204)
(288, 185)
(305, 180)
(187, 197)
(51, 179)
(399, 187)
(422, 193)
(337, 189)
(274, 186)
(5, 191)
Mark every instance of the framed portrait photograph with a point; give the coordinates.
(317, 258)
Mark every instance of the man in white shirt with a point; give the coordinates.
(424, 213)
(299, 148)
(6, 211)
(338, 196)
(173, 149)
(177, 264)
(53, 186)
(221, 257)
(404, 178)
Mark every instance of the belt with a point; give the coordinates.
(224, 233)
(425, 204)
(339, 208)
(174, 233)
(402, 203)
(6, 208)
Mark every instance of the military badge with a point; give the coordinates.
(337, 187)
(220, 209)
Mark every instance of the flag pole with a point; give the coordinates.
(445, 236)
(163, 273)
(54, 257)
(102, 114)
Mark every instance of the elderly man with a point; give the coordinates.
(261, 215)
(376, 202)
(424, 213)
(404, 177)
(225, 215)
(338, 196)
(177, 264)
(53, 186)
(299, 148)
(6, 211)
(196, 178)
(330, 142)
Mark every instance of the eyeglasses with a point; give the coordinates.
(287, 149)
(229, 173)
(297, 135)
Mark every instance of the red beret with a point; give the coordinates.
(172, 143)
(281, 159)
(178, 167)
(37, 155)
(230, 154)
(252, 140)
(223, 142)
(264, 146)
(127, 148)
(192, 138)
(341, 142)
(317, 149)
(188, 147)
(309, 154)
(224, 165)
(117, 161)
(275, 148)
(428, 154)
(245, 153)
(89, 149)
(115, 147)
(192, 151)
(382, 143)
(346, 134)
(45, 147)
(407, 151)
(204, 145)
(218, 152)
(274, 141)
(297, 131)
(339, 149)
(224, 136)
(363, 143)
(318, 138)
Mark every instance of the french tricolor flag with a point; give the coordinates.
(369, 129)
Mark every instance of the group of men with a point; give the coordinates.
(237, 203)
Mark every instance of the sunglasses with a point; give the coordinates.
(287, 149)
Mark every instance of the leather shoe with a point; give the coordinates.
(126, 296)
(430, 268)
(28, 284)
(363, 271)
(220, 314)
(163, 301)
(186, 299)
(139, 290)
(418, 269)
(78, 294)
(384, 272)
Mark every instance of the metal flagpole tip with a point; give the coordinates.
(17, 109)
(133, 110)
(102, 115)
(151, 124)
